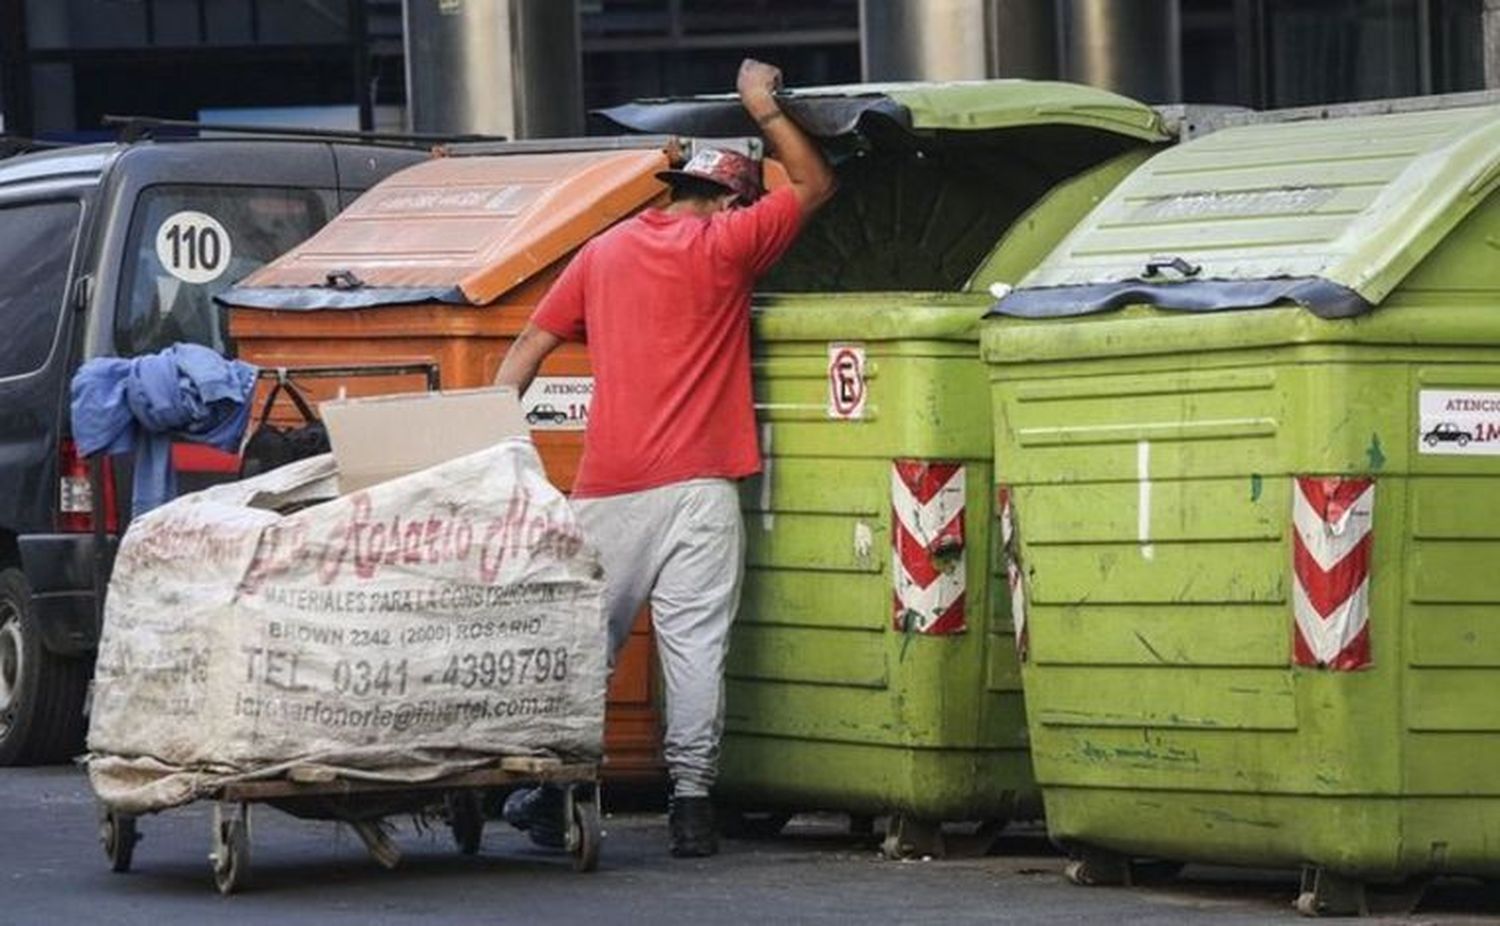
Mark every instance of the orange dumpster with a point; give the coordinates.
(443, 264)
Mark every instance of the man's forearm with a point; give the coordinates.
(804, 162)
(805, 166)
(525, 357)
(515, 374)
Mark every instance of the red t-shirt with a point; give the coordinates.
(663, 301)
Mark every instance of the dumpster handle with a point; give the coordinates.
(1184, 268)
(343, 279)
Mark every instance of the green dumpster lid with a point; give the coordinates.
(966, 106)
(1329, 214)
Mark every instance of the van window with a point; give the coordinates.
(35, 250)
(189, 243)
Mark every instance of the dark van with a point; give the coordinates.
(118, 249)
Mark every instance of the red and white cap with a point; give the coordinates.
(735, 172)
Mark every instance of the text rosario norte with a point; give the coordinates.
(363, 546)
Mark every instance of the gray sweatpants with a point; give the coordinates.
(682, 548)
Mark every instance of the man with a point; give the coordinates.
(663, 301)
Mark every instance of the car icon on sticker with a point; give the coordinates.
(1447, 433)
(548, 413)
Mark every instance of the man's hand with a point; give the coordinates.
(757, 80)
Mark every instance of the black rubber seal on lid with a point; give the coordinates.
(1323, 298)
(318, 298)
(821, 116)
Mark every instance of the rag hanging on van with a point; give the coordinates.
(142, 404)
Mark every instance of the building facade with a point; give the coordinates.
(64, 64)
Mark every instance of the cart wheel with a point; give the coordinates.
(231, 856)
(1092, 867)
(908, 837)
(466, 820)
(118, 834)
(1325, 893)
(1306, 904)
(585, 832)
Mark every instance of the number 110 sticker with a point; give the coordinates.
(193, 246)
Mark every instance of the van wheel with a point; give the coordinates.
(41, 693)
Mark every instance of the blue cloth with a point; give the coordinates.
(185, 392)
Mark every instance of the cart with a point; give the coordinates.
(317, 794)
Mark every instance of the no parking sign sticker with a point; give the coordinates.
(847, 388)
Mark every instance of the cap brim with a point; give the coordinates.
(672, 176)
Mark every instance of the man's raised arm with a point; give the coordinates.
(811, 177)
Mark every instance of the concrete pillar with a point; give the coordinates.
(1492, 44)
(1022, 38)
(494, 67)
(923, 39)
(1133, 48)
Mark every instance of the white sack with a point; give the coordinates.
(416, 629)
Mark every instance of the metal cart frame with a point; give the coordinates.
(460, 794)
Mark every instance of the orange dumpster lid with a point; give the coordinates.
(463, 230)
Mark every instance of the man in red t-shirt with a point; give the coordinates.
(663, 301)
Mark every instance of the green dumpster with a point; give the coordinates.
(1247, 426)
(872, 669)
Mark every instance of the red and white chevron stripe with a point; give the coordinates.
(927, 533)
(1332, 535)
(1010, 549)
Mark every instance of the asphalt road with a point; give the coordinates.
(52, 871)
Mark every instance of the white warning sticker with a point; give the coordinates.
(1461, 422)
(847, 388)
(193, 246)
(558, 403)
